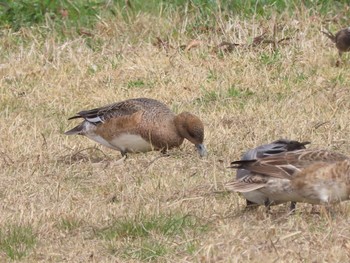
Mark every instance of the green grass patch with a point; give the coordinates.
(66, 14)
(212, 75)
(235, 92)
(272, 58)
(139, 84)
(142, 227)
(338, 79)
(69, 224)
(209, 96)
(26, 13)
(204, 9)
(147, 251)
(149, 237)
(16, 241)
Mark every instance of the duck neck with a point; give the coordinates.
(182, 125)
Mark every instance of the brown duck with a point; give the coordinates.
(140, 125)
(341, 40)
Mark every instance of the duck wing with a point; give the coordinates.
(123, 108)
(286, 164)
(247, 184)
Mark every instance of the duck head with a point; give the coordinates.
(191, 128)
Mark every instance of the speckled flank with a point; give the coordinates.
(258, 196)
(318, 176)
(324, 182)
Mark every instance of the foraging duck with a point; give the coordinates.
(309, 176)
(140, 125)
(256, 197)
(341, 40)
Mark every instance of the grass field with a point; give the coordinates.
(64, 199)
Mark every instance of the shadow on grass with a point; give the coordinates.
(90, 154)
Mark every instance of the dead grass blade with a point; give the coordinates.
(225, 47)
(193, 44)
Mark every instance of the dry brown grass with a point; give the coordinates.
(69, 192)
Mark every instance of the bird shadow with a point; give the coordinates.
(90, 154)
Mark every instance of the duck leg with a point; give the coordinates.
(124, 153)
(292, 206)
(267, 204)
(339, 60)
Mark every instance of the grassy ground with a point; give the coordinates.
(64, 200)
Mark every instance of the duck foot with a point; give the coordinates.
(268, 204)
(292, 207)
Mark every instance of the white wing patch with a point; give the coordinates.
(94, 120)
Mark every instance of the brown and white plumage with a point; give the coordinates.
(310, 176)
(140, 125)
(255, 196)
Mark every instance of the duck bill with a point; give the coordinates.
(201, 150)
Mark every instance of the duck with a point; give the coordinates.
(314, 176)
(139, 125)
(255, 197)
(341, 40)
